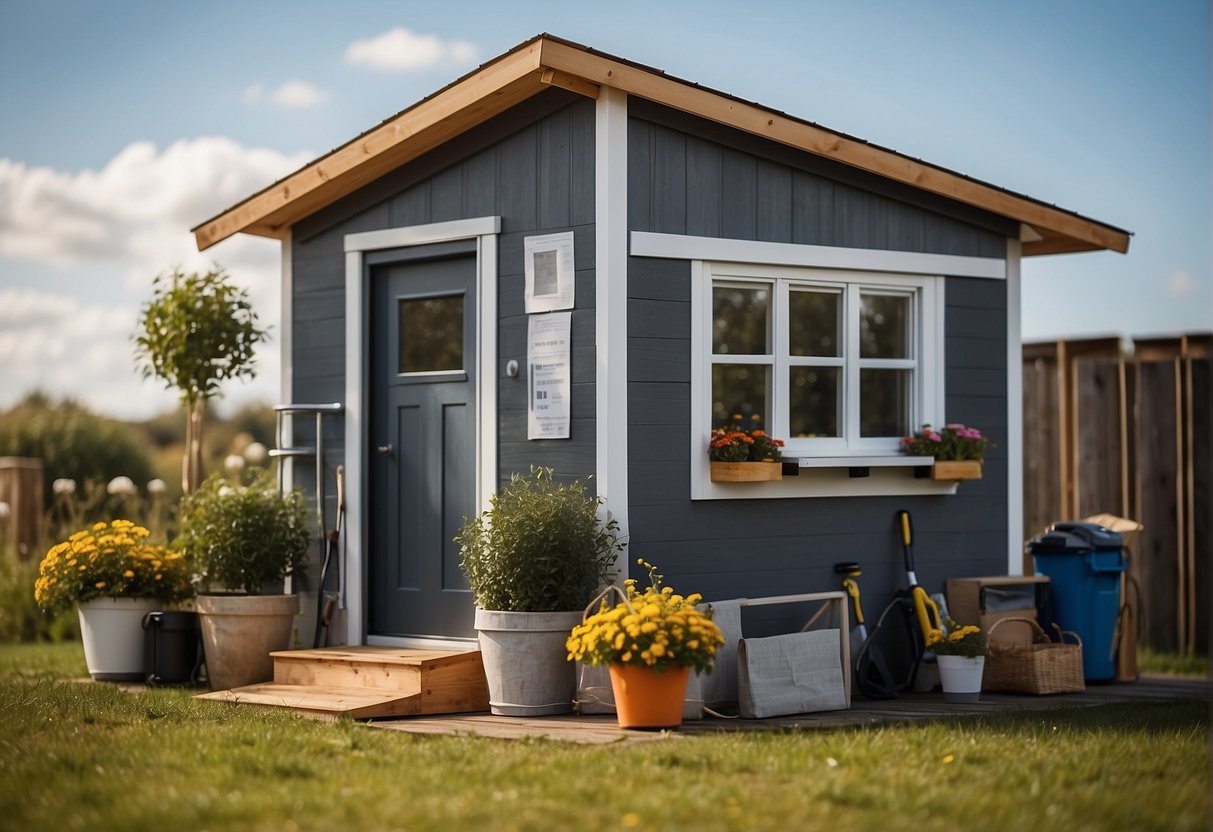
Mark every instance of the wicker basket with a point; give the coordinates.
(1044, 666)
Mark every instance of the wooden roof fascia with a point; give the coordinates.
(752, 118)
(490, 90)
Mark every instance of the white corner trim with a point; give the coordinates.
(611, 302)
(416, 235)
(1015, 510)
(286, 347)
(357, 399)
(685, 247)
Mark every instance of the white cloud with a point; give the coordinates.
(108, 233)
(292, 95)
(400, 50)
(1181, 284)
(297, 95)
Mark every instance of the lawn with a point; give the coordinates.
(89, 756)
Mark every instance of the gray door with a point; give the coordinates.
(423, 442)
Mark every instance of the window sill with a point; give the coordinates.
(833, 476)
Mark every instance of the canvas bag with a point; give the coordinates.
(790, 674)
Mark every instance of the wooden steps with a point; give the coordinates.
(369, 683)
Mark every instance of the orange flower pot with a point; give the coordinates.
(645, 698)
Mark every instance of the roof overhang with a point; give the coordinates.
(544, 62)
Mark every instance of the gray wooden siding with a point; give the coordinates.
(691, 176)
(688, 176)
(532, 166)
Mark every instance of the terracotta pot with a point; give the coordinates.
(645, 698)
(240, 631)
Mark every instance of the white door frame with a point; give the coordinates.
(484, 231)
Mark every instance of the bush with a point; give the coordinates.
(539, 547)
(244, 538)
(74, 443)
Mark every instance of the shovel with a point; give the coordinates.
(859, 633)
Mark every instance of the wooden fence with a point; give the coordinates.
(1109, 430)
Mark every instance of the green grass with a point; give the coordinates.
(89, 756)
(1172, 664)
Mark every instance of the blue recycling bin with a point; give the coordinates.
(1084, 562)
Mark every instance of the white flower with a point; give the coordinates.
(5, 510)
(156, 486)
(121, 485)
(226, 491)
(63, 486)
(255, 453)
(233, 462)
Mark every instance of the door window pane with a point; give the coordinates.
(431, 334)
(884, 403)
(884, 326)
(741, 320)
(815, 323)
(814, 406)
(741, 395)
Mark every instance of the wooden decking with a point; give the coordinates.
(910, 708)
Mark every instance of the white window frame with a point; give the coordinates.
(815, 456)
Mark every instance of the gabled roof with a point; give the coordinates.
(546, 61)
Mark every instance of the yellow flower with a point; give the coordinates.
(100, 584)
(128, 573)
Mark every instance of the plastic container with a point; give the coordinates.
(1084, 562)
(171, 644)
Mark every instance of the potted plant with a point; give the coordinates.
(534, 560)
(649, 641)
(961, 657)
(744, 456)
(959, 451)
(244, 541)
(115, 577)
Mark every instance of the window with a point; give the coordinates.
(836, 363)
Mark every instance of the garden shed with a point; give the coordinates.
(565, 258)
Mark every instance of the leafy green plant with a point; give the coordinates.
(197, 331)
(244, 538)
(968, 641)
(954, 442)
(539, 548)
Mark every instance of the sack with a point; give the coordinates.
(889, 659)
(790, 674)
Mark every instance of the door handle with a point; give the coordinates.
(386, 450)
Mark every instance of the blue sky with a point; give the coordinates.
(126, 123)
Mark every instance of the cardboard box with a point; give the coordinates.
(985, 601)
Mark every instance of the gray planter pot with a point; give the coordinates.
(240, 631)
(525, 661)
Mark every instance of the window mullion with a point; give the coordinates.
(779, 348)
(850, 314)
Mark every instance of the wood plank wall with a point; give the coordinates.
(1109, 430)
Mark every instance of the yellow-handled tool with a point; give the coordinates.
(859, 634)
(925, 609)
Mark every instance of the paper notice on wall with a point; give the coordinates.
(550, 278)
(549, 375)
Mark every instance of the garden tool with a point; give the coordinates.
(925, 610)
(859, 633)
(325, 603)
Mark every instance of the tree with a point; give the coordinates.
(198, 330)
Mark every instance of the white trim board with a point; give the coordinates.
(611, 302)
(685, 247)
(1015, 508)
(484, 230)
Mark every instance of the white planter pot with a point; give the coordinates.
(960, 677)
(238, 634)
(526, 662)
(112, 632)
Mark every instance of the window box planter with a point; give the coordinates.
(746, 471)
(956, 469)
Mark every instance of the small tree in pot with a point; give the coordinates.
(533, 561)
(244, 541)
